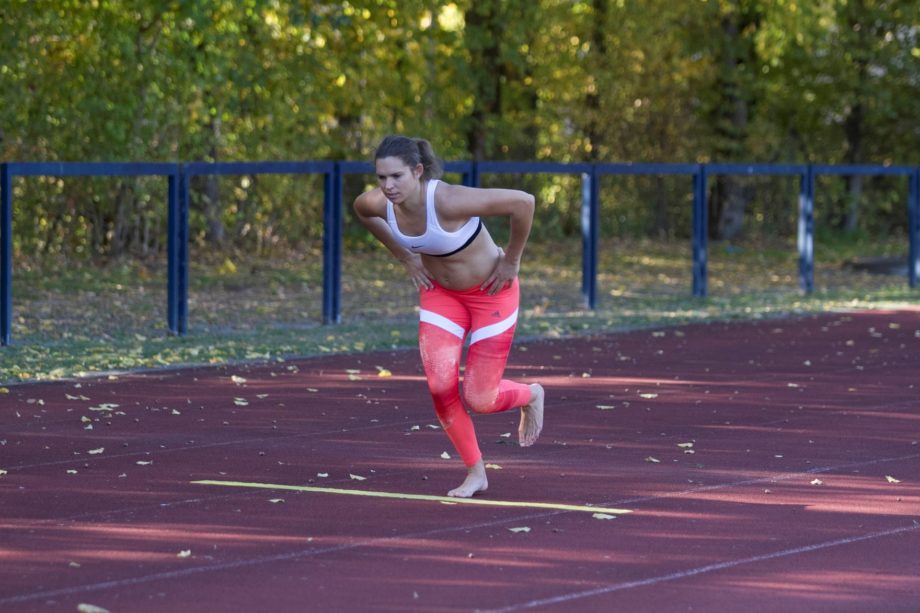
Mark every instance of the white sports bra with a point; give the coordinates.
(435, 241)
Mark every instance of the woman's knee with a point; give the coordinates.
(480, 400)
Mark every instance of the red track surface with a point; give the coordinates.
(784, 505)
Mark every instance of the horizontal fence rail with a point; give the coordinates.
(177, 203)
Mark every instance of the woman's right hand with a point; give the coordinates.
(417, 271)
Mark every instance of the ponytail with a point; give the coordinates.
(412, 151)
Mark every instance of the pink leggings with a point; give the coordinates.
(446, 317)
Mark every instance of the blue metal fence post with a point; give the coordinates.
(913, 227)
(332, 244)
(172, 253)
(806, 233)
(589, 221)
(700, 232)
(182, 234)
(6, 255)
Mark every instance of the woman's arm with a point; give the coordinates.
(368, 214)
(464, 202)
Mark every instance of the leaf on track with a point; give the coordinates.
(648, 396)
(817, 482)
(605, 407)
(357, 477)
(84, 607)
(105, 406)
(237, 379)
(519, 529)
(891, 479)
(603, 516)
(652, 460)
(185, 553)
(493, 466)
(96, 451)
(445, 456)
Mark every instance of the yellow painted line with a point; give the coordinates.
(398, 495)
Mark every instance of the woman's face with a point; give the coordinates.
(397, 180)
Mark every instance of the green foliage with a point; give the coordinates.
(582, 80)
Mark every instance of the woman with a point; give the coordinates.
(467, 285)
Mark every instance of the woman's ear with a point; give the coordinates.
(419, 170)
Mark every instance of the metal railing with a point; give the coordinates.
(178, 176)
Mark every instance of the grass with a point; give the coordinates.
(76, 321)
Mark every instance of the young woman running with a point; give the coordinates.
(467, 286)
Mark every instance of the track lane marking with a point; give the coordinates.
(427, 497)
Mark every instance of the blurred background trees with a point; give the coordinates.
(827, 81)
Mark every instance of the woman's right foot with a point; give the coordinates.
(532, 417)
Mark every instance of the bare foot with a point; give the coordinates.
(531, 417)
(475, 481)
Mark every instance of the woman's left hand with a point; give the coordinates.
(504, 273)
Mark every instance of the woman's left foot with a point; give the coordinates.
(531, 417)
(475, 481)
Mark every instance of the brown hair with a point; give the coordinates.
(412, 151)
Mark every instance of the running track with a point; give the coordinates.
(800, 491)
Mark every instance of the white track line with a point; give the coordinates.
(692, 572)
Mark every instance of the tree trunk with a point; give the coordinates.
(215, 231)
(594, 130)
(483, 40)
(854, 126)
(732, 120)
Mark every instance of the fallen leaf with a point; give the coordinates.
(649, 396)
(603, 516)
(312, 389)
(175, 412)
(817, 482)
(891, 479)
(652, 460)
(73, 565)
(90, 608)
(505, 435)
(71, 472)
(493, 466)
(383, 372)
(4, 390)
(275, 500)
(144, 462)
(185, 553)
(105, 406)
(96, 451)
(605, 407)
(685, 445)
(353, 377)
(413, 428)
(792, 385)
(3, 472)
(240, 402)
(322, 475)
(238, 380)
(357, 477)
(520, 529)
(445, 456)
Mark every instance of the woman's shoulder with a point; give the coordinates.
(371, 202)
